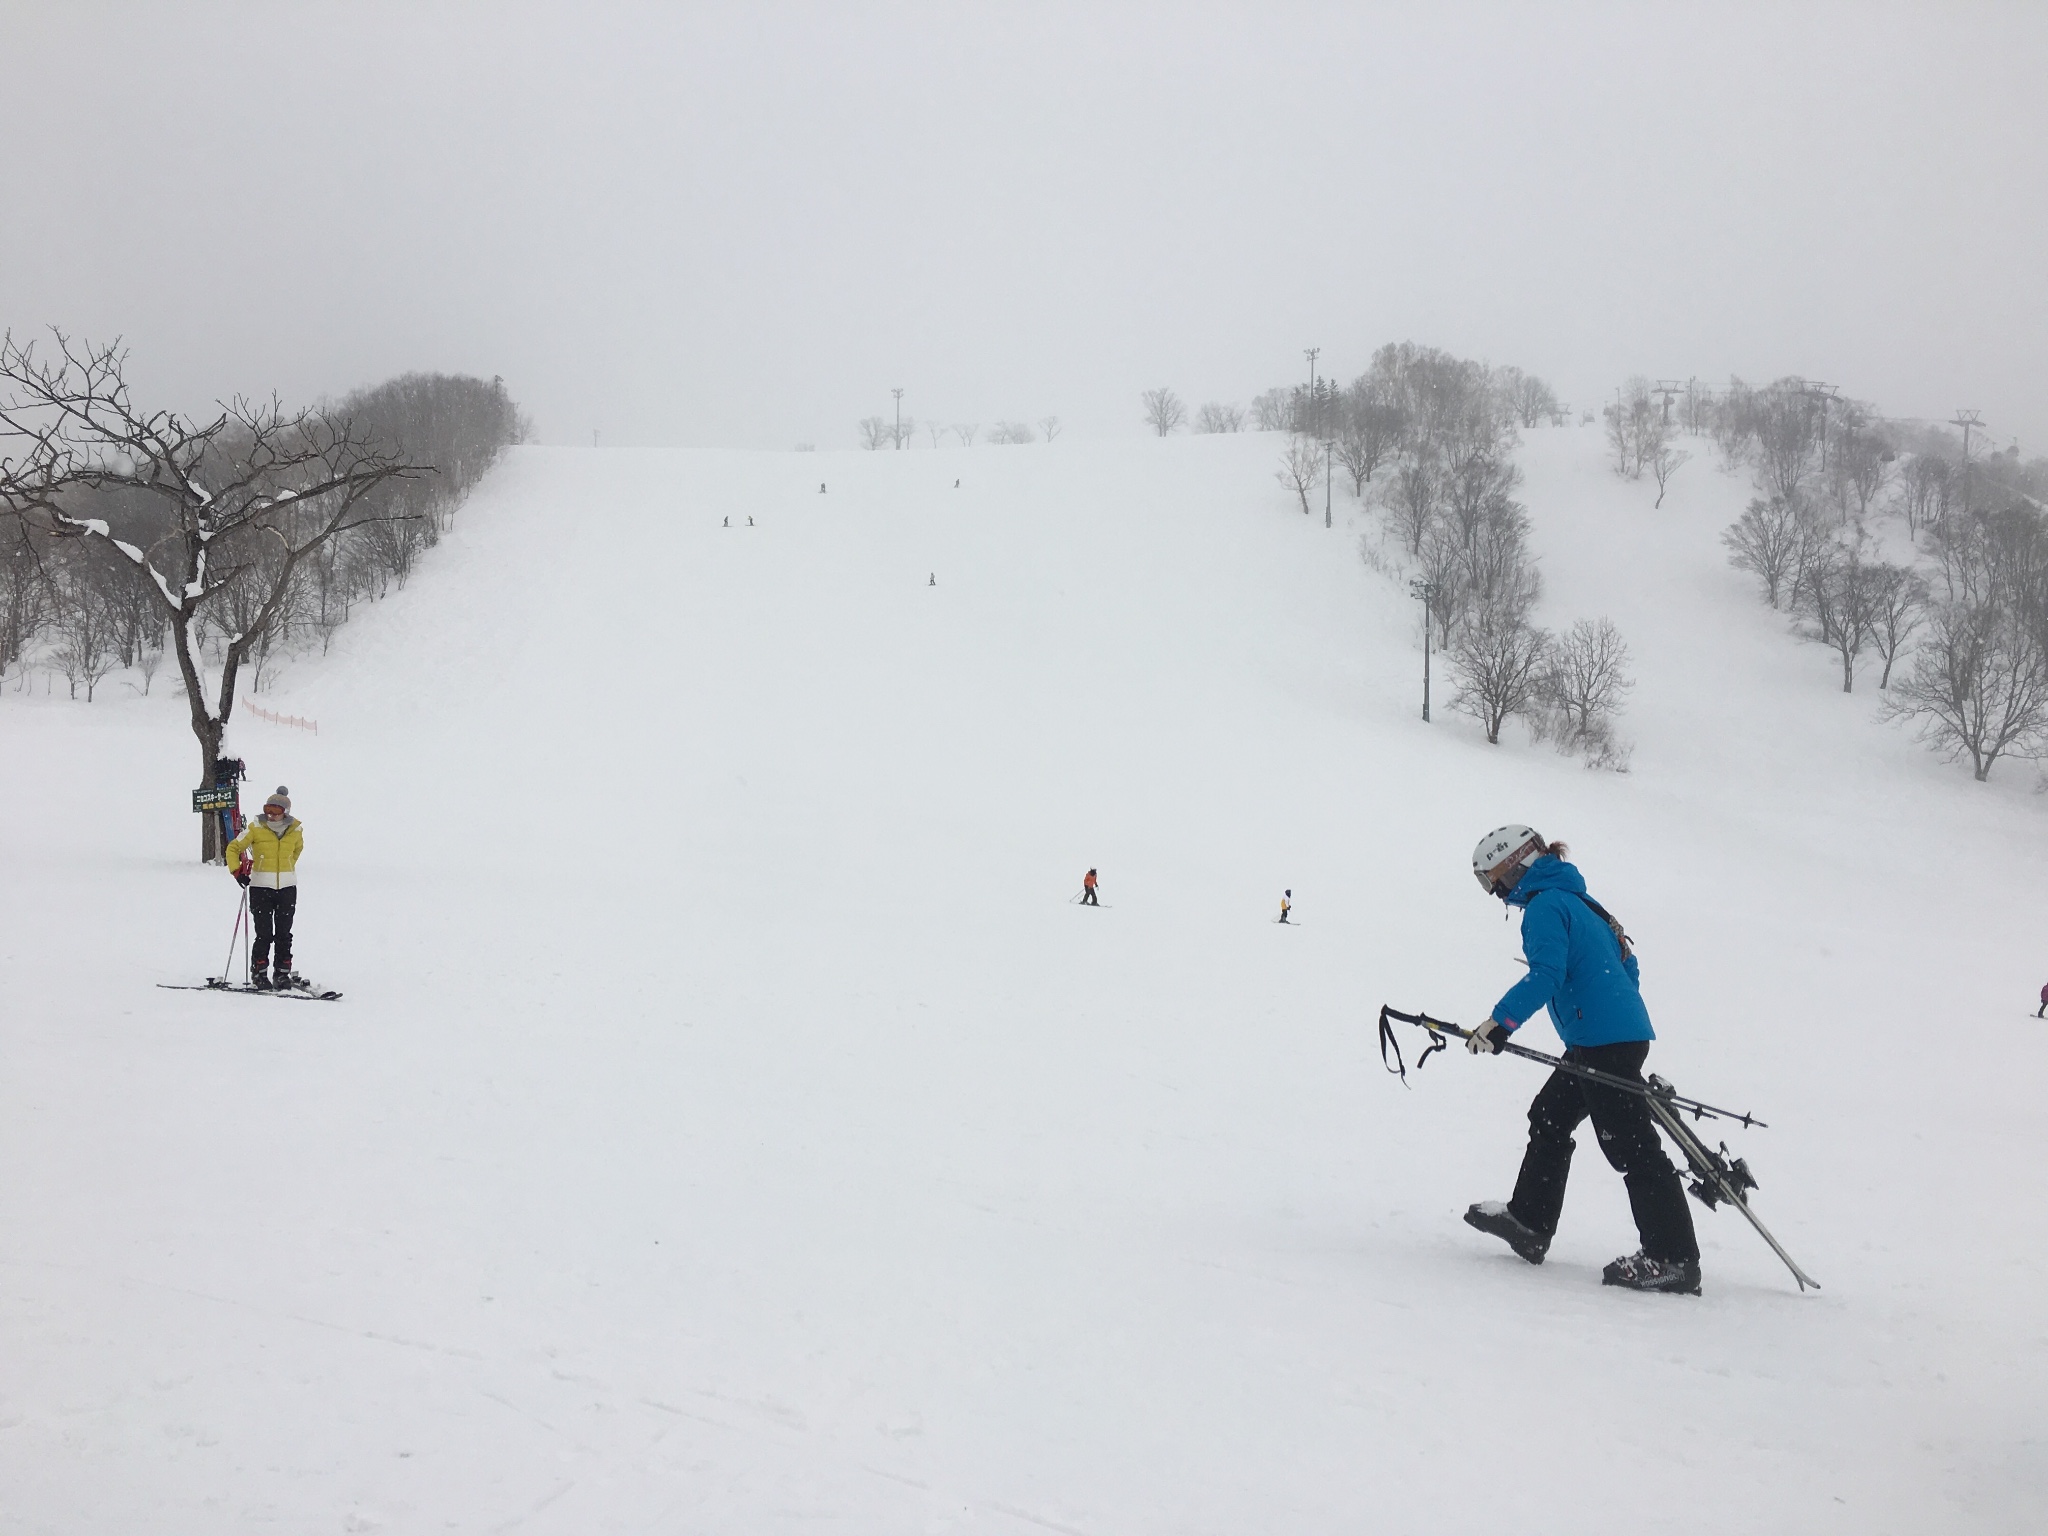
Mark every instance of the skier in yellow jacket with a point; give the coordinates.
(265, 859)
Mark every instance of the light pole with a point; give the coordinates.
(1328, 450)
(1426, 590)
(1969, 421)
(899, 418)
(1311, 353)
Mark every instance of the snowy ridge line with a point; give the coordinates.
(298, 722)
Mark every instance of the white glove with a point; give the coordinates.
(1486, 1039)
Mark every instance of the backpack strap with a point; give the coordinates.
(1627, 944)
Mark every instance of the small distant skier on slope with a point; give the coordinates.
(1088, 890)
(2042, 1011)
(265, 859)
(1286, 904)
(1581, 969)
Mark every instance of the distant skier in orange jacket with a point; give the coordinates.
(1088, 890)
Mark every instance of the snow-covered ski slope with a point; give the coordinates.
(731, 1126)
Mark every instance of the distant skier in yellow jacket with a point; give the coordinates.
(265, 859)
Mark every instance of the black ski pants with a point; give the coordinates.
(1628, 1137)
(271, 911)
(1088, 896)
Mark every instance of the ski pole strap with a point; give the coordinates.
(1387, 1041)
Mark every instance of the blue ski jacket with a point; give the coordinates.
(1576, 967)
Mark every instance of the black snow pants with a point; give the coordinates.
(271, 909)
(1628, 1137)
(1088, 896)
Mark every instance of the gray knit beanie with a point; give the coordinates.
(282, 800)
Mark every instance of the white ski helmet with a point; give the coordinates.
(1502, 855)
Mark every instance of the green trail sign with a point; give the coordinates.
(219, 798)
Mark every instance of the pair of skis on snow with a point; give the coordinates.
(1716, 1176)
(302, 994)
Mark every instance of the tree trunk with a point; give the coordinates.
(205, 729)
(211, 849)
(1848, 673)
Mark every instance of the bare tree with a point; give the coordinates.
(1217, 417)
(1481, 481)
(1664, 461)
(936, 430)
(1012, 432)
(256, 484)
(85, 630)
(1525, 396)
(1498, 657)
(1978, 687)
(1584, 684)
(903, 431)
(1813, 548)
(1696, 411)
(1765, 541)
(1411, 500)
(875, 431)
(1925, 488)
(1785, 432)
(1163, 410)
(148, 659)
(1369, 429)
(24, 593)
(1898, 604)
(1863, 466)
(1050, 426)
(965, 430)
(1301, 468)
(1838, 600)
(1273, 411)
(1498, 570)
(1635, 429)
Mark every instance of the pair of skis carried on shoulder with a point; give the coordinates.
(1716, 1175)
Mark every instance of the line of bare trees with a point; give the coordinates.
(878, 432)
(1642, 437)
(128, 534)
(1959, 622)
(1439, 433)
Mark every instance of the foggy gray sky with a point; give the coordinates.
(742, 223)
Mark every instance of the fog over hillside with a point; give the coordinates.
(742, 226)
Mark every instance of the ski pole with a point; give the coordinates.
(1437, 1028)
(227, 966)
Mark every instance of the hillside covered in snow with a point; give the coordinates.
(732, 1125)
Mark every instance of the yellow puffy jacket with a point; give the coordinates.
(275, 854)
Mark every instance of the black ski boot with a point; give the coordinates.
(260, 980)
(1640, 1272)
(1494, 1217)
(284, 979)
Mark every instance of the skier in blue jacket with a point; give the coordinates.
(1581, 970)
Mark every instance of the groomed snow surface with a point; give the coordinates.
(731, 1126)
